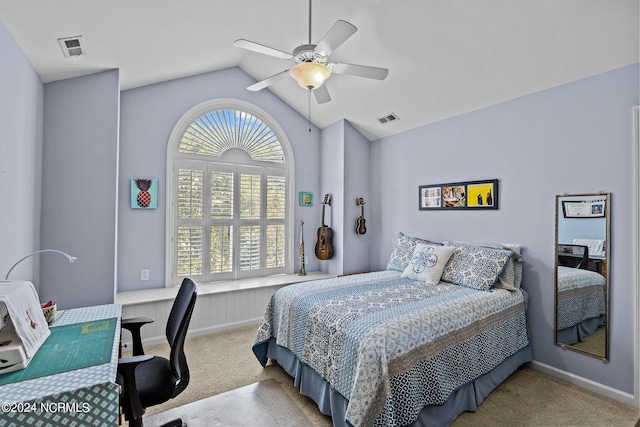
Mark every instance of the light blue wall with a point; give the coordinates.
(149, 114)
(79, 171)
(528, 144)
(525, 143)
(345, 175)
(356, 184)
(332, 180)
(20, 160)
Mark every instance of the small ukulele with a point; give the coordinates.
(361, 227)
(324, 245)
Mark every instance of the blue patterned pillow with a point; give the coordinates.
(402, 253)
(511, 276)
(474, 266)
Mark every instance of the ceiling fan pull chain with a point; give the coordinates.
(309, 116)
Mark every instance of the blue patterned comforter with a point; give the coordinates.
(392, 345)
(581, 296)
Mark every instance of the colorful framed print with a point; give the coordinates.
(459, 195)
(454, 196)
(144, 193)
(482, 194)
(305, 198)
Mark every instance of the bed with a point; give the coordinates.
(581, 304)
(392, 348)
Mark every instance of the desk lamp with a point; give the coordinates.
(69, 257)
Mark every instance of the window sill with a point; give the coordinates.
(165, 294)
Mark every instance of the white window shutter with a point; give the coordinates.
(230, 210)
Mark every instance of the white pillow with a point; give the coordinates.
(427, 263)
(596, 246)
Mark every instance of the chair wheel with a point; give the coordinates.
(175, 423)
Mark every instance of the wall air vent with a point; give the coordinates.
(388, 118)
(72, 47)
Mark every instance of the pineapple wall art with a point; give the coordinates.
(144, 193)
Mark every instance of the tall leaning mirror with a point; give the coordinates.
(582, 258)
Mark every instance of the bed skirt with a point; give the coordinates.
(582, 330)
(330, 402)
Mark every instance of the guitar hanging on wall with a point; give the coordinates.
(324, 245)
(361, 227)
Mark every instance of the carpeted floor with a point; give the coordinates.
(224, 361)
(595, 344)
(255, 405)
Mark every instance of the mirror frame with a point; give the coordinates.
(607, 259)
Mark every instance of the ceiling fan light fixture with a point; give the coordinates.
(310, 75)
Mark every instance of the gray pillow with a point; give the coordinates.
(511, 276)
(474, 266)
(403, 251)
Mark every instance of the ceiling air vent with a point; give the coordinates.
(72, 46)
(388, 118)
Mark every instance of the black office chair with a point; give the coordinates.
(576, 256)
(150, 380)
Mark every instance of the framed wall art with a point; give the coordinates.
(459, 195)
(144, 193)
(305, 198)
(584, 208)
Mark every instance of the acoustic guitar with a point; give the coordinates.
(361, 226)
(324, 244)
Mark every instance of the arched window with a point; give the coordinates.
(229, 169)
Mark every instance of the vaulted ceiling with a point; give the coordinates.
(445, 57)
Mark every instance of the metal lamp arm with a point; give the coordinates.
(69, 257)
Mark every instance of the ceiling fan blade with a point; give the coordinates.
(322, 94)
(265, 50)
(269, 80)
(337, 35)
(360, 71)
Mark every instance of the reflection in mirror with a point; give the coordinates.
(582, 257)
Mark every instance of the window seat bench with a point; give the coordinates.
(220, 305)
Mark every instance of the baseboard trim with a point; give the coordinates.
(585, 383)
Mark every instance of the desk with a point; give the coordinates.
(87, 396)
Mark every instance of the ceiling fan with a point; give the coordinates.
(311, 67)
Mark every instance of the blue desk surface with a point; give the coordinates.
(69, 348)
